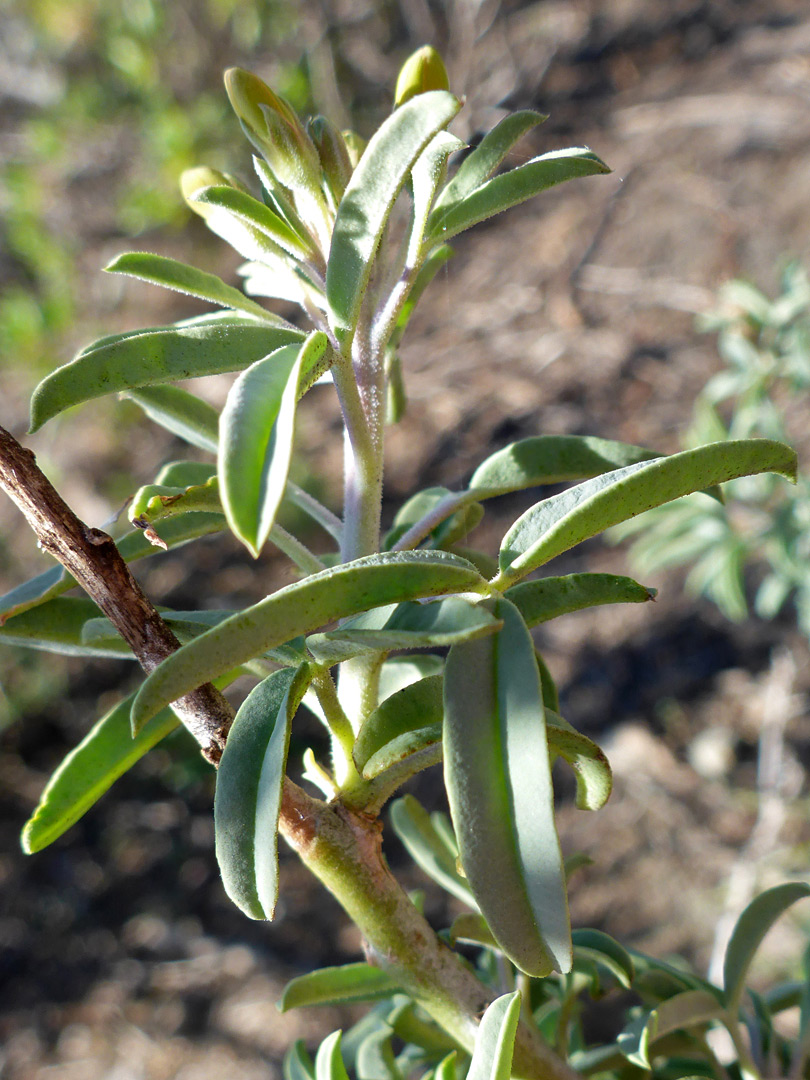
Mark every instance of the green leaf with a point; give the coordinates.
(375, 1058)
(156, 356)
(183, 414)
(495, 1041)
(427, 174)
(602, 949)
(685, 1011)
(551, 699)
(369, 197)
(56, 626)
(38, 590)
(297, 1064)
(172, 274)
(498, 780)
(470, 926)
(556, 524)
(248, 792)
(299, 608)
(328, 1060)
(551, 459)
(513, 187)
(411, 1024)
(400, 671)
(403, 724)
(428, 848)
(482, 162)
(104, 754)
(159, 502)
(232, 214)
(256, 438)
(404, 626)
(547, 598)
(337, 986)
(751, 928)
(594, 778)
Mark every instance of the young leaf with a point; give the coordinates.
(337, 986)
(482, 162)
(498, 781)
(183, 414)
(404, 626)
(248, 792)
(495, 1041)
(256, 437)
(56, 626)
(299, 608)
(104, 754)
(423, 70)
(403, 724)
(157, 356)
(751, 928)
(229, 211)
(370, 194)
(428, 849)
(159, 502)
(513, 187)
(594, 778)
(547, 598)
(426, 176)
(559, 523)
(375, 1058)
(328, 1060)
(172, 274)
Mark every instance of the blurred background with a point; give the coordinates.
(120, 956)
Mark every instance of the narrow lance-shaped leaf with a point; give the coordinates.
(165, 355)
(329, 1061)
(513, 187)
(403, 724)
(183, 414)
(495, 1041)
(224, 204)
(256, 437)
(482, 162)
(375, 1057)
(171, 274)
(428, 848)
(604, 950)
(367, 202)
(559, 523)
(751, 928)
(56, 626)
(594, 777)
(337, 986)
(426, 176)
(297, 1064)
(298, 609)
(498, 780)
(547, 598)
(248, 792)
(105, 753)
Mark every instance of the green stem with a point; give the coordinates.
(339, 728)
(296, 551)
(344, 850)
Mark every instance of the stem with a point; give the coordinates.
(440, 512)
(362, 470)
(344, 850)
(328, 521)
(339, 728)
(297, 552)
(91, 556)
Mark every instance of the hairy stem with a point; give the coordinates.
(344, 850)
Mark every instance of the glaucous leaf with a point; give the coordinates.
(603, 949)
(400, 671)
(692, 1008)
(513, 187)
(157, 356)
(556, 524)
(369, 197)
(329, 1061)
(248, 791)
(297, 1064)
(427, 174)
(751, 928)
(183, 414)
(56, 626)
(547, 598)
(404, 626)
(495, 1041)
(230, 211)
(337, 986)
(428, 848)
(498, 780)
(482, 162)
(160, 270)
(406, 722)
(594, 777)
(300, 608)
(256, 436)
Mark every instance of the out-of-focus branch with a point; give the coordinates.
(91, 556)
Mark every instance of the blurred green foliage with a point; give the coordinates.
(111, 102)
